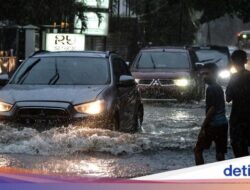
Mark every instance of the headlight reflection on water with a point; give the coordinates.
(86, 167)
(181, 115)
(4, 162)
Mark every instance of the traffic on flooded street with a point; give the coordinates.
(121, 89)
(165, 143)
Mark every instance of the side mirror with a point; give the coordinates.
(4, 79)
(126, 81)
(199, 66)
(128, 63)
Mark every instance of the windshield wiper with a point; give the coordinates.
(151, 57)
(56, 77)
(217, 61)
(206, 60)
(210, 60)
(23, 76)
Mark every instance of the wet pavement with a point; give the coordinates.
(165, 143)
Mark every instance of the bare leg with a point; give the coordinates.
(199, 160)
(220, 157)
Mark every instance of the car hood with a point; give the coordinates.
(71, 94)
(148, 75)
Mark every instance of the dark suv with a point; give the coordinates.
(96, 88)
(219, 55)
(168, 72)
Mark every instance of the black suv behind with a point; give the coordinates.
(168, 72)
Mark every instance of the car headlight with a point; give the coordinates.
(224, 74)
(92, 108)
(233, 70)
(4, 107)
(182, 82)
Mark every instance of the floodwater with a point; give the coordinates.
(165, 143)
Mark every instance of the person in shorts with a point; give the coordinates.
(238, 92)
(215, 126)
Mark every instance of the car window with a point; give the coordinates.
(63, 71)
(220, 58)
(163, 60)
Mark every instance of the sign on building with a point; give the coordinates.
(102, 4)
(65, 42)
(95, 26)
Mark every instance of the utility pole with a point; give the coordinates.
(208, 34)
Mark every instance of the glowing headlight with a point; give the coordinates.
(92, 108)
(4, 107)
(181, 82)
(224, 74)
(233, 70)
(137, 81)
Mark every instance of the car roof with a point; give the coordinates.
(95, 54)
(222, 49)
(209, 47)
(245, 32)
(166, 48)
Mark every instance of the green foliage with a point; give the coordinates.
(43, 12)
(175, 21)
(214, 9)
(241, 9)
(164, 21)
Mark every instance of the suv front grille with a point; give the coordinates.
(159, 82)
(145, 82)
(40, 113)
(166, 82)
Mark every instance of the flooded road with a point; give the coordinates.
(165, 143)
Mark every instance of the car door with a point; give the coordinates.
(126, 95)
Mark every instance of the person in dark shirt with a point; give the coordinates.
(215, 125)
(238, 92)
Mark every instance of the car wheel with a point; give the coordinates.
(115, 123)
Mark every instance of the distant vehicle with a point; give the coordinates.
(244, 39)
(216, 54)
(95, 88)
(168, 73)
(244, 44)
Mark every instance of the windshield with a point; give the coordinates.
(163, 60)
(220, 58)
(63, 71)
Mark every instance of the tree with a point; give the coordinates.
(173, 21)
(241, 9)
(215, 9)
(43, 12)
(164, 21)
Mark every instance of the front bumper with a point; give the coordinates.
(166, 92)
(50, 112)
